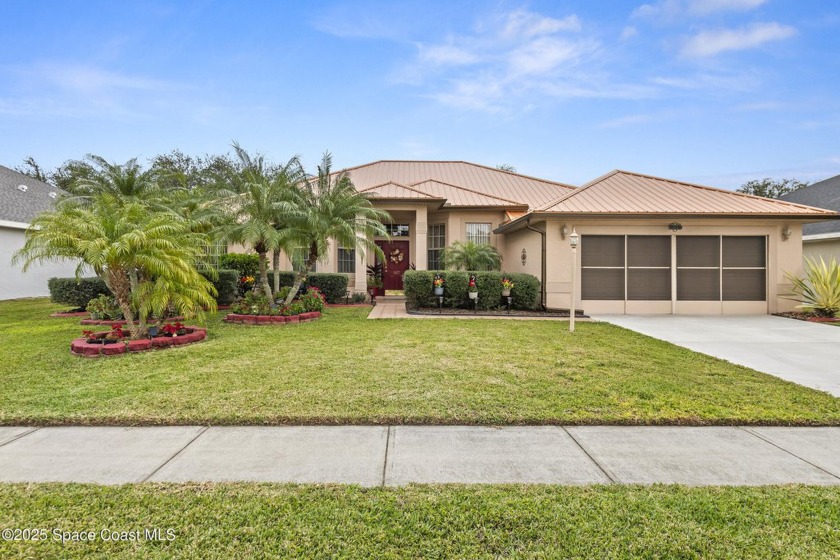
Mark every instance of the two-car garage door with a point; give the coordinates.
(682, 270)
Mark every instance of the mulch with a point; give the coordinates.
(810, 317)
(491, 313)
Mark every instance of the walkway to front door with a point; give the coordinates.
(395, 264)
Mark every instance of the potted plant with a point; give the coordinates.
(438, 283)
(98, 306)
(374, 284)
(472, 289)
(507, 285)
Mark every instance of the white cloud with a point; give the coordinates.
(706, 7)
(629, 32)
(671, 9)
(545, 54)
(522, 23)
(626, 121)
(713, 42)
(446, 54)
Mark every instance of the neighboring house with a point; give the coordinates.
(647, 245)
(820, 239)
(21, 199)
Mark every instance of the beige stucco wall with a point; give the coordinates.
(783, 256)
(825, 248)
(512, 245)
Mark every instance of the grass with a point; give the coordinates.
(276, 521)
(346, 369)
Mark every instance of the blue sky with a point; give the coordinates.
(712, 91)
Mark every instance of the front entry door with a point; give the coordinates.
(395, 264)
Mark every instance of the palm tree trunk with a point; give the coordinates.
(276, 263)
(120, 285)
(264, 276)
(301, 275)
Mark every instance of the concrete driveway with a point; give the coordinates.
(798, 351)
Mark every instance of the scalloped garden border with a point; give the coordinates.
(81, 347)
(271, 319)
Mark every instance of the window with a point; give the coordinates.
(214, 251)
(478, 233)
(436, 240)
(299, 258)
(602, 267)
(397, 230)
(346, 260)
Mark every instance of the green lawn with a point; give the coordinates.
(346, 369)
(269, 521)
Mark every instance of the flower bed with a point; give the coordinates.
(811, 317)
(95, 344)
(118, 322)
(271, 319)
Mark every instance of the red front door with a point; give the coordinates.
(395, 264)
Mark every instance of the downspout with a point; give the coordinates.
(543, 292)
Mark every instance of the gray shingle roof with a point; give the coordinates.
(825, 194)
(19, 206)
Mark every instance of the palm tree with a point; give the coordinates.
(260, 198)
(329, 207)
(124, 182)
(147, 258)
(471, 256)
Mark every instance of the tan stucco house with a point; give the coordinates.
(647, 244)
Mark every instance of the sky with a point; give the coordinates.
(716, 92)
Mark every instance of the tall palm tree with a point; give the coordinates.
(127, 182)
(260, 198)
(471, 256)
(329, 207)
(147, 258)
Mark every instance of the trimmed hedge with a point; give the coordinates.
(419, 289)
(76, 291)
(332, 285)
(226, 284)
(247, 264)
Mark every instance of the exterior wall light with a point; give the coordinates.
(524, 256)
(786, 233)
(564, 231)
(675, 226)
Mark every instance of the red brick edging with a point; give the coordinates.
(81, 347)
(271, 319)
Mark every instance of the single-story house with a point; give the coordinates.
(21, 199)
(820, 239)
(647, 244)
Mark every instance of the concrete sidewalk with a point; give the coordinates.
(398, 455)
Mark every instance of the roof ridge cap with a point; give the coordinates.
(516, 202)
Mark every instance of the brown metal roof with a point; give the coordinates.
(461, 196)
(623, 192)
(395, 190)
(507, 188)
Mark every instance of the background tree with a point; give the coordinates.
(148, 259)
(771, 188)
(33, 169)
(506, 167)
(471, 256)
(329, 207)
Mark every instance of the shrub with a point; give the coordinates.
(312, 300)
(76, 292)
(419, 292)
(282, 294)
(104, 306)
(332, 285)
(819, 291)
(247, 264)
(358, 298)
(226, 284)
